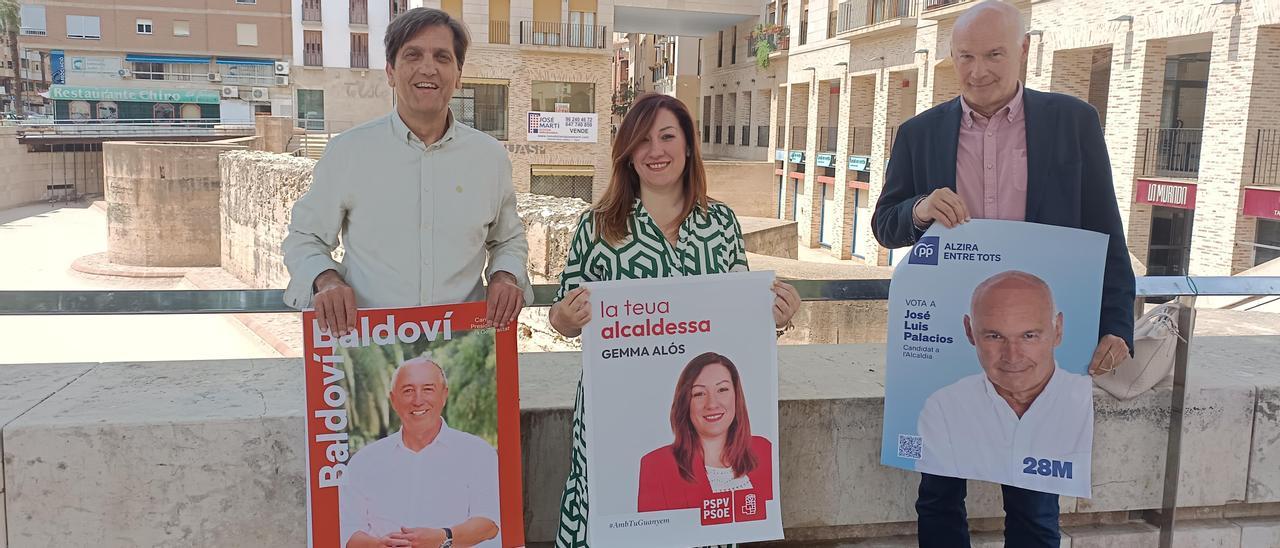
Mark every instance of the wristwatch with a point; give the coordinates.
(448, 539)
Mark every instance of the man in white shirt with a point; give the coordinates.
(422, 202)
(1024, 421)
(427, 485)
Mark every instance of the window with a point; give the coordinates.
(144, 26)
(1266, 245)
(312, 52)
(563, 181)
(32, 17)
(311, 10)
(249, 75)
(733, 48)
(311, 108)
(359, 12)
(720, 51)
(580, 97)
(174, 72)
(246, 34)
(182, 28)
(87, 27)
(483, 107)
(359, 50)
(164, 111)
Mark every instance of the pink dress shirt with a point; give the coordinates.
(991, 162)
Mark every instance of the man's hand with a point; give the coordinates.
(335, 304)
(942, 205)
(506, 298)
(421, 537)
(1111, 352)
(786, 301)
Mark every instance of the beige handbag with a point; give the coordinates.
(1155, 344)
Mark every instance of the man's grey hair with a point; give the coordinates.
(1013, 276)
(1009, 11)
(411, 22)
(420, 359)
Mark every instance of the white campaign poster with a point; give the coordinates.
(991, 328)
(681, 391)
(563, 127)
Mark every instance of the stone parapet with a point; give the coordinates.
(144, 454)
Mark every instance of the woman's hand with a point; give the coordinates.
(572, 313)
(786, 301)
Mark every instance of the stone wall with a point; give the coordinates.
(746, 186)
(161, 453)
(773, 237)
(162, 203)
(258, 192)
(26, 174)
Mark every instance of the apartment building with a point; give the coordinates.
(1188, 92)
(666, 64)
(159, 59)
(33, 67)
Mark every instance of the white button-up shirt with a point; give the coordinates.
(969, 431)
(386, 486)
(417, 221)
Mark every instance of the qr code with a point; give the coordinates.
(909, 446)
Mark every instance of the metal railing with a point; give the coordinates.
(499, 32)
(799, 137)
(827, 137)
(544, 33)
(937, 4)
(762, 136)
(311, 10)
(1171, 152)
(256, 301)
(857, 14)
(860, 141)
(781, 40)
(1266, 158)
(397, 7)
(136, 127)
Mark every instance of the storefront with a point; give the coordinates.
(1263, 203)
(1172, 213)
(108, 105)
(859, 184)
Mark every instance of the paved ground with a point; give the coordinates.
(40, 242)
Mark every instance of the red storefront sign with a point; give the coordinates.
(1167, 193)
(1262, 202)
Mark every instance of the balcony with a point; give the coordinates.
(777, 37)
(861, 17)
(1171, 152)
(569, 35)
(1266, 158)
(311, 11)
(93, 130)
(944, 9)
(358, 12)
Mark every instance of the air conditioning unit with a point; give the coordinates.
(215, 77)
(230, 92)
(282, 68)
(282, 80)
(125, 73)
(259, 94)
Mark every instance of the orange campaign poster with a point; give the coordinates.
(413, 431)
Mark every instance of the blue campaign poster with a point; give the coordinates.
(991, 328)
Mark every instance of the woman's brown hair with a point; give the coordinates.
(737, 449)
(613, 210)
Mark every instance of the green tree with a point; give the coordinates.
(10, 21)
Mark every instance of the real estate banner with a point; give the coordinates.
(991, 328)
(413, 430)
(563, 127)
(680, 380)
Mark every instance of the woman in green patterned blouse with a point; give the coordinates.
(654, 221)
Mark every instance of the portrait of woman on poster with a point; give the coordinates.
(654, 220)
(713, 451)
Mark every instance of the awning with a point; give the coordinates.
(564, 171)
(134, 58)
(235, 61)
